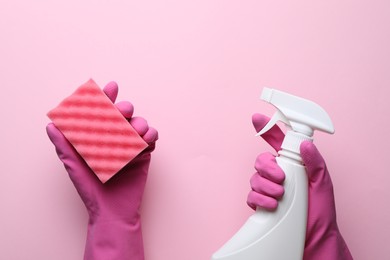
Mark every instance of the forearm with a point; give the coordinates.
(114, 240)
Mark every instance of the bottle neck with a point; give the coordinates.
(291, 146)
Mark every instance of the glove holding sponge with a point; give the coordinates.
(111, 188)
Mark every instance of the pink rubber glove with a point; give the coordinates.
(114, 227)
(323, 238)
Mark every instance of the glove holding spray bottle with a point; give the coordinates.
(281, 233)
(323, 238)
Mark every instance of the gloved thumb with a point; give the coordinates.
(319, 178)
(63, 148)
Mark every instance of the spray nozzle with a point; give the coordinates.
(303, 116)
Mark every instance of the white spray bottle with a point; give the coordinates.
(280, 234)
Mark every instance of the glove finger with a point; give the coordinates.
(266, 187)
(140, 125)
(267, 167)
(255, 200)
(151, 135)
(111, 90)
(274, 136)
(126, 108)
(315, 165)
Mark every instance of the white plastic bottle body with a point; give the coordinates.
(276, 235)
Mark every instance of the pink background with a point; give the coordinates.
(195, 70)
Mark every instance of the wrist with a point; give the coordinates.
(327, 245)
(114, 238)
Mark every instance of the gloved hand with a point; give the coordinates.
(114, 227)
(323, 238)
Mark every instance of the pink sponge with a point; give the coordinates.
(97, 130)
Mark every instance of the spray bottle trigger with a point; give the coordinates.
(278, 116)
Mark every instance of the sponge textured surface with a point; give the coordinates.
(97, 130)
